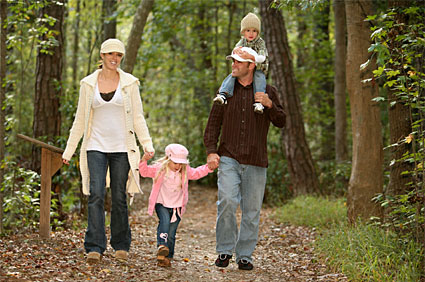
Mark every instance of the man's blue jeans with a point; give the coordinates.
(244, 185)
(166, 231)
(95, 239)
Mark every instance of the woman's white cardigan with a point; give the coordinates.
(135, 124)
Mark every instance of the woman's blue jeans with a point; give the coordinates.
(166, 231)
(244, 185)
(95, 239)
(228, 84)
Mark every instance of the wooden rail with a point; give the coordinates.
(51, 162)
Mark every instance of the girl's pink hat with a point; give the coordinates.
(177, 153)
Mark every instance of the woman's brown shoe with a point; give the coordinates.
(93, 257)
(121, 255)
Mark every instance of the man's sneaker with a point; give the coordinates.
(258, 108)
(220, 99)
(245, 265)
(223, 260)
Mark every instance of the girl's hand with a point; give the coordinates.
(65, 161)
(147, 156)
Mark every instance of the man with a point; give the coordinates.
(241, 159)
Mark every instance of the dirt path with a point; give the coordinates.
(284, 253)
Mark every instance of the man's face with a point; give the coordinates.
(240, 69)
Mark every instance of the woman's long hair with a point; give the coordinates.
(163, 163)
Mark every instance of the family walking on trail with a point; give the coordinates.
(110, 115)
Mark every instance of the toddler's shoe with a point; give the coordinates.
(220, 99)
(258, 108)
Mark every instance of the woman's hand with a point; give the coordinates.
(147, 156)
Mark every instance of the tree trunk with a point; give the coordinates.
(48, 90)
(300, 161)
(324, 97)
(366, 176)
(3, 20)
(109, 19)
(76, 48)
(341, 148)
(399, 119)
(135, 37)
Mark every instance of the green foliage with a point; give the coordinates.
(317, 212)
(277, 185)
(399, 48)
(22, 203)
(369, 253)
(364, 252)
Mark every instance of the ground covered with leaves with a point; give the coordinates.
(283, 253)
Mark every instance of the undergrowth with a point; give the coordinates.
(363, 252)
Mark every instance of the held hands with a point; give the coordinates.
(264, 99)
(213, 161)
(243, 54)
(147, 156)
(65, 161)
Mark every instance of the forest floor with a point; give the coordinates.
(283, 252)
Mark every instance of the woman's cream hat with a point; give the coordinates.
(112, 45)
(251, 21)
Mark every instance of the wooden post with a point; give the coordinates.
(51, 162)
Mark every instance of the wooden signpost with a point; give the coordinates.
(51, 162)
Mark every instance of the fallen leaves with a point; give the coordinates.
(283, 253)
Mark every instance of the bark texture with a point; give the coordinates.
(48, 88)
(300, 162)
(366, 175)
(135, 37)
(341, 150)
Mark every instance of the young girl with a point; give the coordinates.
(169, 194)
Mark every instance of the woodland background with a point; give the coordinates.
(350, 75)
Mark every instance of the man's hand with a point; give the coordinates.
(264, 99)
(213, 160)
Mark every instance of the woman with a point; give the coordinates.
(109, 114)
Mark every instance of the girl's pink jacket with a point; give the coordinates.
(150, 171)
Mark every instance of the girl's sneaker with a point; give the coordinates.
(162, 256)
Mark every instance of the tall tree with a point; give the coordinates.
(398, 114)
(300, 162)
(135, 37)
(323, 97)
(341, 150)
(109, 19)
(48, 90)
(366, 176)
(76, 47)
(3, 21)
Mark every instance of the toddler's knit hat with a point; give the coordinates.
(251, 21)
